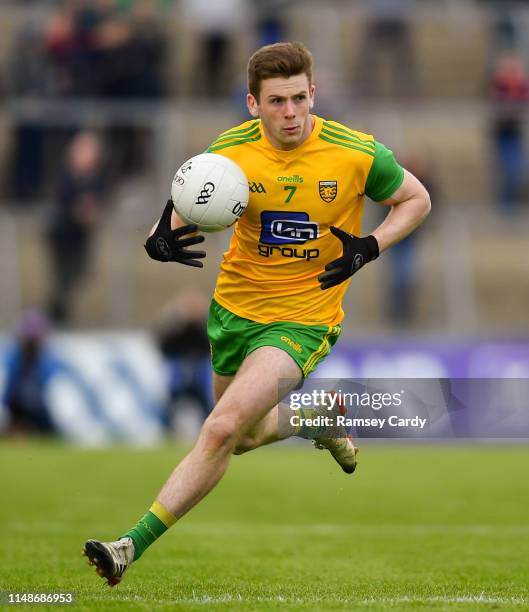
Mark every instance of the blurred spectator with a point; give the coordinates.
(149, 52)
(29, 365)
(27, 76)
(403, 257)
(64, 46)
(80, 194)
(509, 90)
(183, 341)
(215, 25)
(131, 53)
(387, 42)
(508, 26)
(26, 65)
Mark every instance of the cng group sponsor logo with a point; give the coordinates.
(279, 229)
(289, 230)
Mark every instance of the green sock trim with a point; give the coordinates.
(146, 531)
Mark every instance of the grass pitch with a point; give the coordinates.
(422, 528)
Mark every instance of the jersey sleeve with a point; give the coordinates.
(385, 175)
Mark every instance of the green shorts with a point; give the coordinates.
(233, 338)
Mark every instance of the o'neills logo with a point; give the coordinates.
(290, 179)
(292, 344)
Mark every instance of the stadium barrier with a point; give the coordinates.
(103, 388)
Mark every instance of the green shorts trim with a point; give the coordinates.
(233, 338)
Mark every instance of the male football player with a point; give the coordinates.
(276, 310)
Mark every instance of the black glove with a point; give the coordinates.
(356, 253)
(167, 244)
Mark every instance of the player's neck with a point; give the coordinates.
(309, 127)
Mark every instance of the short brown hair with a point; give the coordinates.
(284, 59)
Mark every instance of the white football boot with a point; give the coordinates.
(110, 558)
(337, 442)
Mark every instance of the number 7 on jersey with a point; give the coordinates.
(292, 189)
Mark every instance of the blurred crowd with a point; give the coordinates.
(130, 50)
(89, 49)
(99, 48)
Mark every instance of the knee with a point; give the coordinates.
(220, 433)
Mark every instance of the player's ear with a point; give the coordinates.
(312, 89)
(252, 105)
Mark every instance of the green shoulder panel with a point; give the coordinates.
(338, 134)
(250, 132)
(385, 175)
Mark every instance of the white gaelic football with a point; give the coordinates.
(211, 191)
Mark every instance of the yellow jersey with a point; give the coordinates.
(282, 242)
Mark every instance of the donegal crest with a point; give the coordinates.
(328, 190)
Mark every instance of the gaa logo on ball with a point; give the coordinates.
(205, 194)
(211, 191)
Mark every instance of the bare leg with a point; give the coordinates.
(266, 431)
(244, 402)
(220, 384)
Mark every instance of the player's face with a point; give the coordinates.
(284, 108)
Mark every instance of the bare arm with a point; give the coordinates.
(176, 222)
(410, 205)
